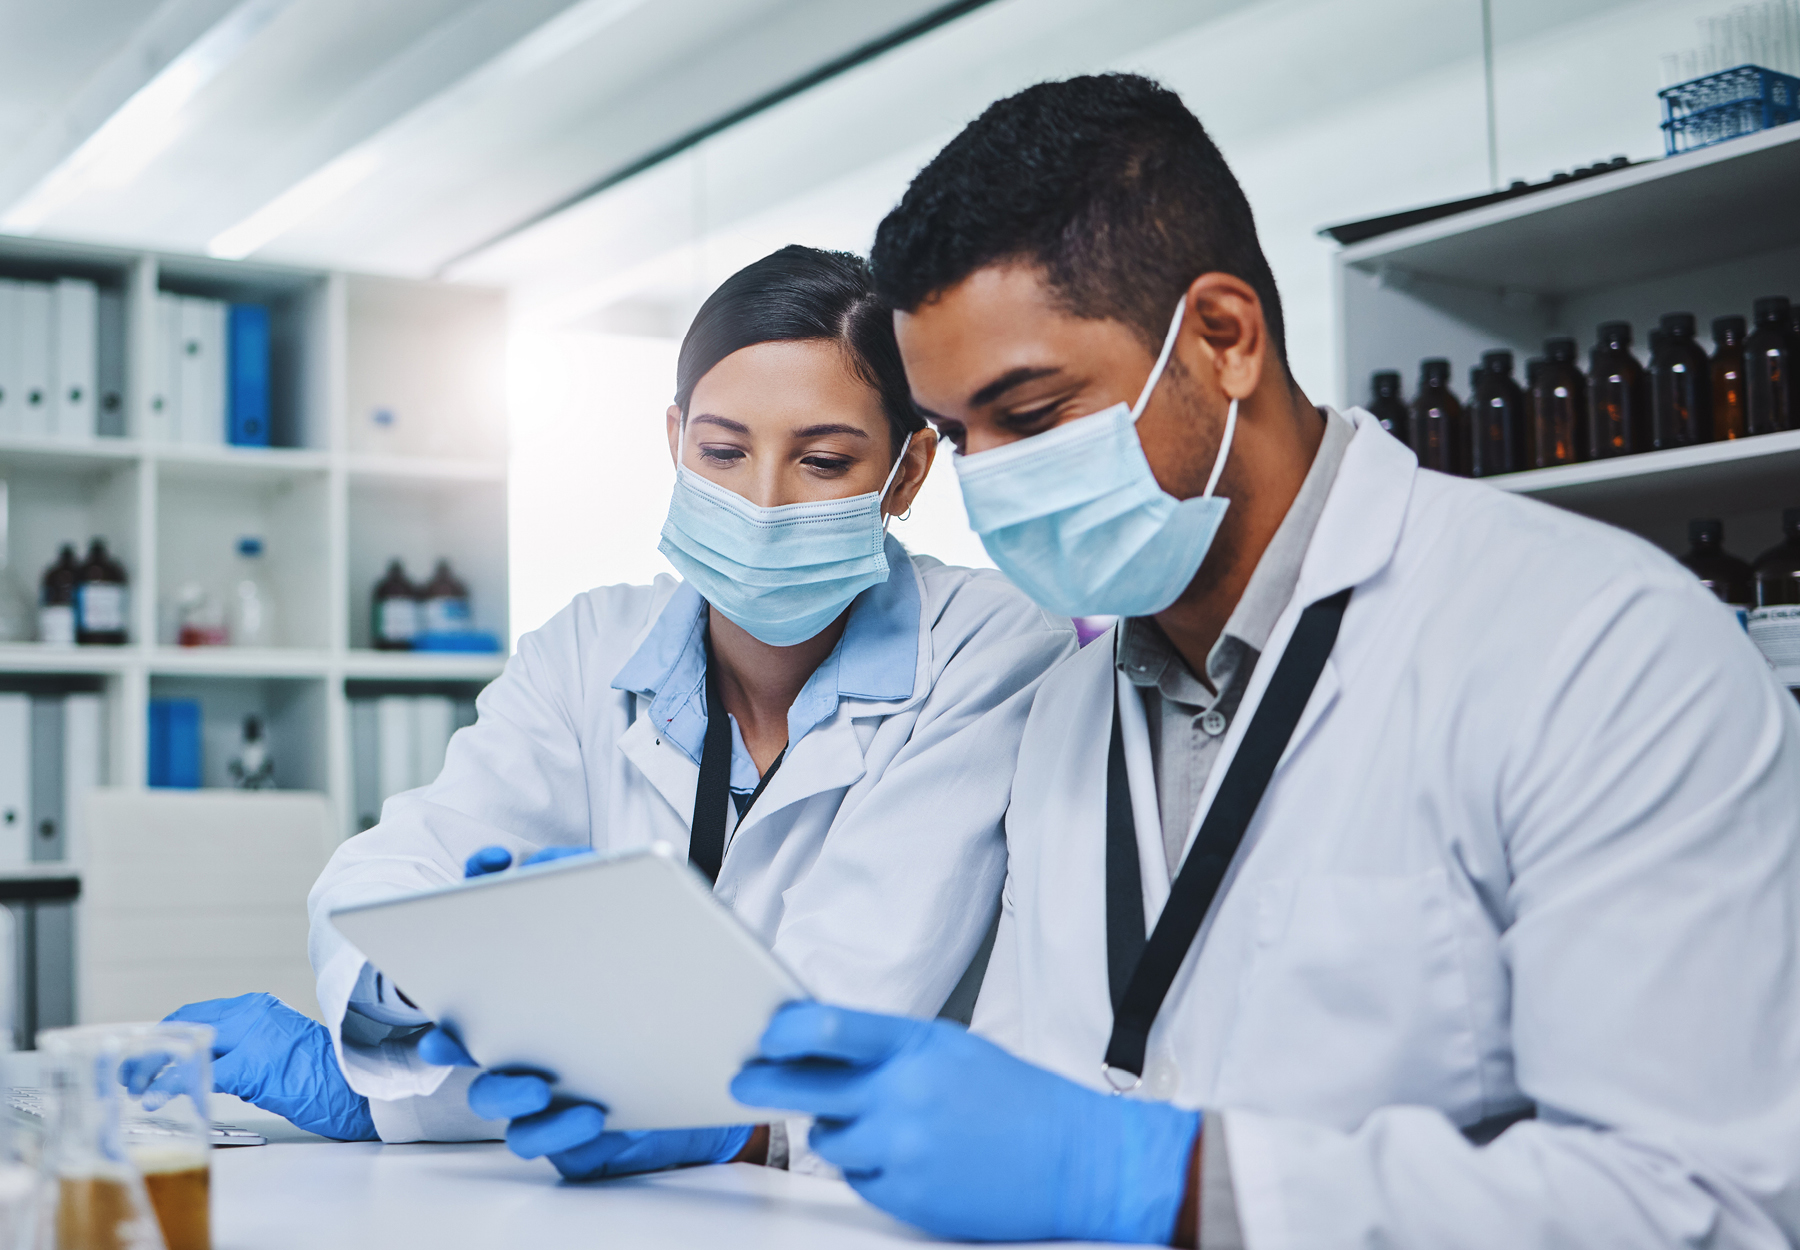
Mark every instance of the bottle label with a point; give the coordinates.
(101, 607)
(396, 620)
(56, 625)
(446, 615)
(1776, 632)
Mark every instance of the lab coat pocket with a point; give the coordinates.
(1353, 998)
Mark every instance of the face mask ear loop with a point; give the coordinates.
(1224, 449)
(892, 474)
(1162, 360)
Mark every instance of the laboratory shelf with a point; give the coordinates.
(40, 657)
(413, 468)
(1700, 208)
(230, 661)
(422, 666)
(1760, 474)
(387, 408)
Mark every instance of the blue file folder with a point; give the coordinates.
(247, 391)
(175, 743)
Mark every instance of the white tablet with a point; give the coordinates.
(621, 974)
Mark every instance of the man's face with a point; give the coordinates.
(996, 358)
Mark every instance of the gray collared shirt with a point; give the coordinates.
(1188, 717)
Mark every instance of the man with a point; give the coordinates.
(1419, 860)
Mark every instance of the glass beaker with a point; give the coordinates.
(130, 1142)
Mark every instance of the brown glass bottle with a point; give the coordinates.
(1618, 398)
(1718, 570)
(1437, 421)
(56, 602)
(1386, 404)
(394, 610)
(1770, 393)
(1559, 407)
(1499, 424)
(1729, 418)
(1680, 386)
(102, 608)
(1777, 570)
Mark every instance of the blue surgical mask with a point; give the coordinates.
(1076, 519)
(784, 573)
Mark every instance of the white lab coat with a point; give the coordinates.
(871, 864)
(1533, 842)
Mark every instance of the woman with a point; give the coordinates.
(874, 702)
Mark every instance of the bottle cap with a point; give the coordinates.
(249, 545)
(1615, 333)
(1682, 323)
(1706, 530)
(1498, 361)
(1435, 371)
(1385, 382)
(1771, 308)
(1560, 350)
(1727, 326)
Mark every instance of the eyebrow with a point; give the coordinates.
(1006, 381)
(819, 431)
(707, 418)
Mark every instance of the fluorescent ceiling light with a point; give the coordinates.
(145, 124)
(296, 204)
(562, 34)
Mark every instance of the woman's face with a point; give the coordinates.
(790, 422)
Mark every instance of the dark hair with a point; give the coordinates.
(802, 293)
(1106, 181)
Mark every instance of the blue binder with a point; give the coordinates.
(247, 406)
(175, 743)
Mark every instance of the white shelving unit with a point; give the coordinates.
(388, 403)
(1705, 232)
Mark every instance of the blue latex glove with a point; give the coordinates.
(949, 1132)
(573, 1134)
(273, 1057)
(492, 859)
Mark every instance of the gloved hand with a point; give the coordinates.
(573, 1134)
(273, 1057)
(492, 859)
(947, 1131)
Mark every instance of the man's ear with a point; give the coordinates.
(1225, 321)
(919, 455)
(675, 434)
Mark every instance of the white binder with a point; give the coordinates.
(434, 720)
(165, 374)
(72, 400)
(12, 398)
(395, 726)
(15, 780)
(201, 369)
(35, 310)
(84, 764)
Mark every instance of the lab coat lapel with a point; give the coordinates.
(1355, 539)
(663, 765)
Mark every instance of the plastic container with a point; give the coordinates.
(1726, 105)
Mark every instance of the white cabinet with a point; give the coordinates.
(331, 500)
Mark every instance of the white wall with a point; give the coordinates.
(1327, 110)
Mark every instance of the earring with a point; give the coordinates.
(905, 516)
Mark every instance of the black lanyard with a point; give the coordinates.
(706, 838)
(1141, 972)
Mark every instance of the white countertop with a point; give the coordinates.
(352, 1195)
(304, 1191)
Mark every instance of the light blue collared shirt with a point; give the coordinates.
(877, 658)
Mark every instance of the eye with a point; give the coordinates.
(1029, 419)
(721, 455)
(830, 465)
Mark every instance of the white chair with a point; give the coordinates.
(196, 894)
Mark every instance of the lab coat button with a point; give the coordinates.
(1213, 722)
(1163, 1080)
